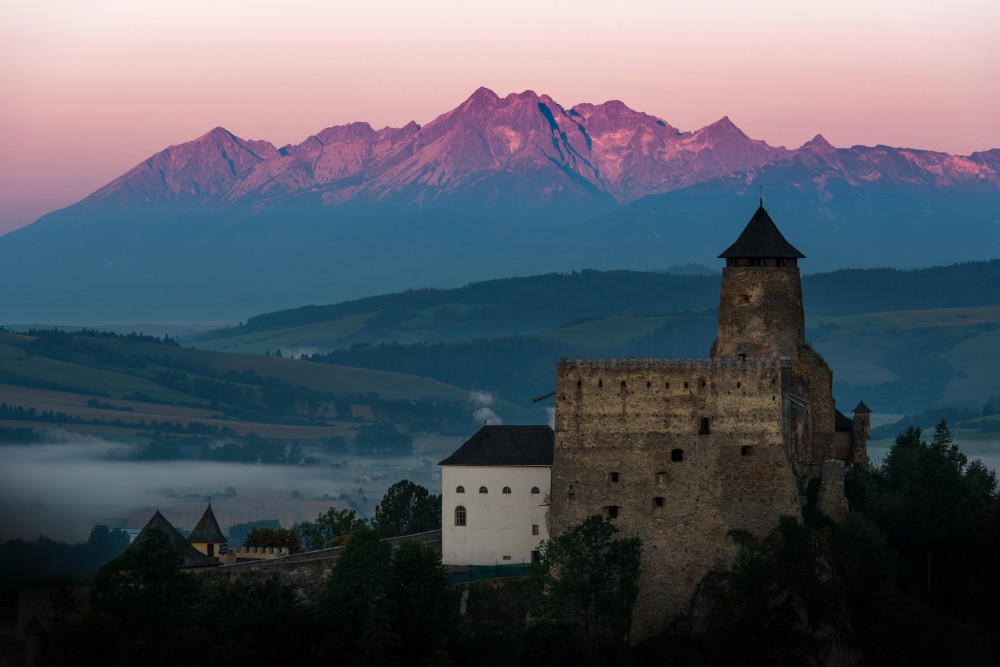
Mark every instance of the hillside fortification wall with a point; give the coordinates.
(679, 452)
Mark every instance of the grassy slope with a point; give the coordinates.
(323, 378)
(75, 384)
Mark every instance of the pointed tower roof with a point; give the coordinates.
(190, 557)
(207, 530)
(862, 408)
(761, 238)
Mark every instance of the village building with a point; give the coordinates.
(495, 496)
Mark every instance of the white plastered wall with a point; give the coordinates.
(498, 526)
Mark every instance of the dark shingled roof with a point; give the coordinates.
(505, 446)
(842, 422)
(761, 238)
(190, 557)
(862, 408)
(207, 529)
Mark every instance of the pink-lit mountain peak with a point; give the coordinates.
(818, 144)
(523, 141)
(724, 127)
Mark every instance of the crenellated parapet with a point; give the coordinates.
(243, 553)
(693, 363)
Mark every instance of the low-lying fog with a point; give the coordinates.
(61, 490)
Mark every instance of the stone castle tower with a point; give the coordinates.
(683, 452)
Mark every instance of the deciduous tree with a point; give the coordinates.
(407, 508)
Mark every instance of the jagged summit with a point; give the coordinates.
(523, 147)
(818, 143)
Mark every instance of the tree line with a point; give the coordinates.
(517, 305)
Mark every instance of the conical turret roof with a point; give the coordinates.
(189, 556)
(207, 530)
(761, 238)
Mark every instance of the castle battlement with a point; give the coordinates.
(755, 363)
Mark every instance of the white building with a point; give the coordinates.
(495, 496)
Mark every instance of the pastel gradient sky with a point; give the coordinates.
(88, 89)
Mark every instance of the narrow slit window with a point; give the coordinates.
(703, 426)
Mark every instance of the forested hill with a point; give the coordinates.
(518, 305)
(856, 291)
(512, 305)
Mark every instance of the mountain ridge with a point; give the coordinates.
(222, 227)
(609, 147)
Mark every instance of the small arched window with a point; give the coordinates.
(535, 490)
(506, 490)
(459, 489)
(460, 515)
(677, 455)
(483, 489)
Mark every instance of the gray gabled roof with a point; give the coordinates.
(189, 556)
(207, 529)
(505, 446)
(761, 238)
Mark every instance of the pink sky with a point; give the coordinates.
(90, 89)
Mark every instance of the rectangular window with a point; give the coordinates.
(506, 557)
(613, 476)
(534, 529)
(613, 512)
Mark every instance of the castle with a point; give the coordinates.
(684, 453)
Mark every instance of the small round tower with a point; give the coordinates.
(760, 304)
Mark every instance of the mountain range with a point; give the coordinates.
(222, 227)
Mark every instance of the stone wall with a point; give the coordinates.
(630, 439)
(760, 312)
(305, 572)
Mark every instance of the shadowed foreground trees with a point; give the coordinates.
(908, 578)
(589, 588)
(383, 607)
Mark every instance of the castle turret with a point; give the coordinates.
(860, 432)
(760, 305)
(207, 537)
